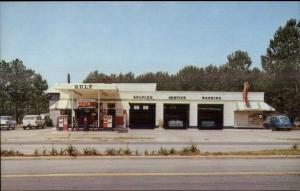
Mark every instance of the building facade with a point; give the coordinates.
(139, 105)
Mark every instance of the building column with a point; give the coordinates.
(193, 115)
(98, 101)
(159, 113)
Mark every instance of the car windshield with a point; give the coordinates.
(5, 117)
(29, 117)
(284, 119)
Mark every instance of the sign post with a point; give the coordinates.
(98, 109)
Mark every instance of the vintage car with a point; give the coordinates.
(7, 122)
(280, 122)
(33, 121)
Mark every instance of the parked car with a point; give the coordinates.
(30, 121)
(208, 123)
(280, 122)
(175, 123)
(7, 122)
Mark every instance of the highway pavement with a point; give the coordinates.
(181, 173)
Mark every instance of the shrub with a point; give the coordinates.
(110, 151)
(4, 153)
(136, 152)
(146, 153)
(72, 151)
(36, 152)
(120, 151)
(53, 151)
(191, 149)
(194, 148)
(11, 152)
(153, 152)
(127, 151)
(62, 152)
(44, 152)
(163, 151)
(295, 147)
(19, 153)
(172, 151)
(90, 151)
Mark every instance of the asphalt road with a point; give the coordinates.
(151, 174)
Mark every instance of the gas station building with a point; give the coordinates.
(140, 105)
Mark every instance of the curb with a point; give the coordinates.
(154, 157)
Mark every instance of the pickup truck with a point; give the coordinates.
(7, 122)
(30, 121)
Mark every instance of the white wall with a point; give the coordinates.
(159, 113)
(193, 114)
(228, 114)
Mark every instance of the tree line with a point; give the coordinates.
(22, 91)
(279, 77)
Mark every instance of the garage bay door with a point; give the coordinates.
(142, 116)
(210, 116)
(176, 115)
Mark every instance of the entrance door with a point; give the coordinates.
(142, 116)
(176, 115)
(86, 118)
(210, 116)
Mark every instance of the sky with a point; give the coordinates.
(56, 38)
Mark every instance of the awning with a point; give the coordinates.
(51, 90)
(253, 106)
(63, 104)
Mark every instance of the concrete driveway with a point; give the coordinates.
(51, 135)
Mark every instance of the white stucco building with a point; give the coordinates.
(144, 107)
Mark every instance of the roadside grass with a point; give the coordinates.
(186, 151)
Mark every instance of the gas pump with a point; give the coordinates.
(63, 122)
